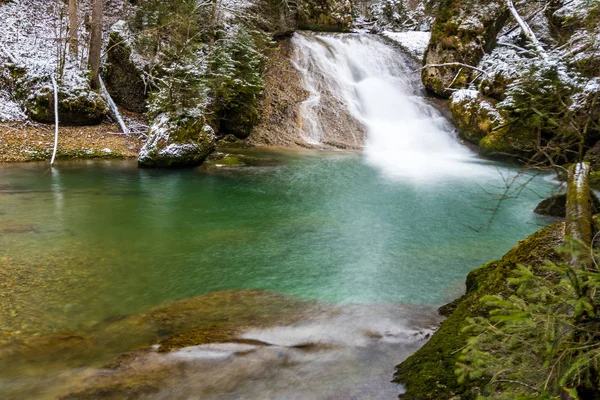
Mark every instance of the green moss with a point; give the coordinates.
(452, 40)
(477, 117)
(429, 373)
(508, 142)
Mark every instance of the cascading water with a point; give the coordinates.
(406, 137)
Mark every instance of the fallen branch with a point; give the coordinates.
(9, 55)
(454, 64)
(55, 86)
(113, 107)
(512, 46)
(527, 31)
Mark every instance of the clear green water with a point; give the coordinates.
(103, 239)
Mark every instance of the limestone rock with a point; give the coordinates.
(325, 15)
(76, 106)
(475, 116)
(125, 70)
(177, 141)
(462, 32)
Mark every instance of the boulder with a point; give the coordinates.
(475, 116)
(462, 32)
(76, 106)
(176, 140)
(555, 206)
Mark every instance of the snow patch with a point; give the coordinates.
(10, 109)
(414, 42)
(463, 95)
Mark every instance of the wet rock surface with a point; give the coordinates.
(246, 343)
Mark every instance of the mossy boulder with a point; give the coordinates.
(325, 15)
(176, 140)
(461, 33)
(125, 70)
(510, 142)
(475, 116)
(429, 373)
(556, 206)
(76, 106)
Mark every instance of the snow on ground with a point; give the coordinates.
(9, 109)
(32, 35)
(414, 42)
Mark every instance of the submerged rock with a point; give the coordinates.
(177, 141)
(235, 160)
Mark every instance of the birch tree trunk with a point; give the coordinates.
(73, 27)
(96, 42)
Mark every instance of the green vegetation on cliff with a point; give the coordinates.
(429, 373)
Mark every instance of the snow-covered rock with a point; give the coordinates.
(177, 141)
(415, 42)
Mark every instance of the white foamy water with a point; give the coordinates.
(406, 137)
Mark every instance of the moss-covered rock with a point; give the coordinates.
(429, 373)
(462, 31)
(177, 141)
(222, 159)
(475, 116)
(511, 142)
(76, 106)
(325, 15)
(125, 70)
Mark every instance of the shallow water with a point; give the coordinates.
(87, 243)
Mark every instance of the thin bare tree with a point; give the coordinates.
(96, 42)
(73, 27)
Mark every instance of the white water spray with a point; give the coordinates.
(406, 138)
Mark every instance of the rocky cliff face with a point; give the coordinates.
(461, 34)
(507, 98)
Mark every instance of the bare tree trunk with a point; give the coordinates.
(213, 24)
(113, 107)
(73, 27)
(96, 42)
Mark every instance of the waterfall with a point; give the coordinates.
(405, 136)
